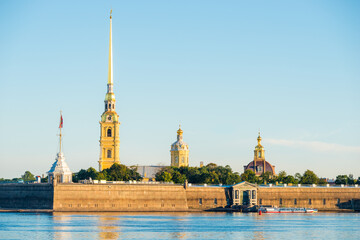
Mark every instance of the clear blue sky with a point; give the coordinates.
(223, 69)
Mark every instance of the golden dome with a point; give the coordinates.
(110, 97)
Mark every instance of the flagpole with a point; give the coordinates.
(60, 128)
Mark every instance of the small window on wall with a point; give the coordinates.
(259, 154)
(108, 153)
(200, 201)
(280, 201)
(324, 201)
(260, 201)
(295, 201)
(253, 194)
(338, 201)
(215, 201)
(109, 132)
(309, 201)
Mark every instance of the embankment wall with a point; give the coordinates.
(119, 197)
(26, 196)
(139, 197)
(322, 198)
(205, 198)
(163, 197)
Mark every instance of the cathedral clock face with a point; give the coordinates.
(109, 118)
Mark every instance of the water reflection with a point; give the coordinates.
(178, 226)
(109, 228)
(61, 229)
(258, 236)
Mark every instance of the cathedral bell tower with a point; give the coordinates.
(109, 124)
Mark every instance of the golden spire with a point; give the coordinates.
(259, 139)
(110, 76)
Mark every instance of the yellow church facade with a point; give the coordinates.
(109, 124)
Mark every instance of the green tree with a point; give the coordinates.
(164, 177)
(322, 181)
(28, 176)
(211, 166)
(45, 179)
(281, 176)
(290, 179)
(298, 177)
(351, 179)
(177, 177)
(102, 176)
(309, 177)
(265, 178)
(213, 178)
(91, 173)
(341, 179)
(85, 174)
(81, 175)
(119, 172)
(210, 174)
(249, 176)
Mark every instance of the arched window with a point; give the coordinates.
(110, 106)
(109, 132)
(259, 154)
(108, 153)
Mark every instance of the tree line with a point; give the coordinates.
(308, 177)
(117, 172)
(209, 174)
(26, 177)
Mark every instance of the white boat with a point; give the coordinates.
(286, 210)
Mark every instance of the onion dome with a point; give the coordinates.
(179, 144)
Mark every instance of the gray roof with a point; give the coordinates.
(148, 171)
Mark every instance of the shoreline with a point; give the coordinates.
(180, 211)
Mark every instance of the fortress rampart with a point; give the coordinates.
(26, 196)
(165, 197)
(322, 198)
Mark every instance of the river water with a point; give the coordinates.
(179, 226)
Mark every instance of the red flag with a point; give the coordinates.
(61, 122)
